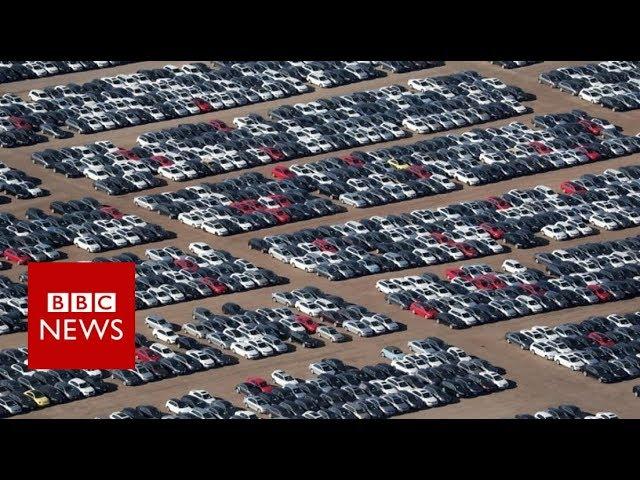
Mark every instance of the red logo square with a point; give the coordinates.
(81, 315)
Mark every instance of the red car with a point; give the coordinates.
(422, 310)
(307, 322)
(246, 206)
(161, 160)
(274, 154)
(202, 105)
(144, 354)
(600, 339)
(323, 245)
(488, 282)
(590, 127)
(419, 171)
(220, 126)
(602, 294)
(534, 290)
(495, 232)
(455, 272)
(261, 383)
(540, 148)
(16, 256)
(466, 249)
(280, 215)
(216, 286)
(496, 282)
(482, 283)
(281, 200)
(571, 188)
(282, 173)
(440, 237)
(500, 203)
(113, 212)
(20, 123)
(352, 159)
(128, 154)
(590, 153)
(186, 264)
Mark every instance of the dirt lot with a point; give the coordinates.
(540, 384)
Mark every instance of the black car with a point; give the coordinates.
(305, 340)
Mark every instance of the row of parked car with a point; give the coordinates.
(458, 100)
(617, 192)
(613, 84)
(114, 170)
(476, 294)
(156, 361)
(606, 348)
(154, 95)
(566, 412)
(511, 64)
(455, 232)
(251, 334)
(85, 223)
(18, 184)
(480, 156)
(245, 203)
(335, 123)
(433, 374)
(23, 390)
(195, 404)
(13, 71)
(264, 332)
(332, 311)
(170, 275)
(13, 306)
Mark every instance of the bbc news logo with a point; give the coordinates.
(81, 315)
(67, 328)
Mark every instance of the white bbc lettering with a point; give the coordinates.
(104, 302)
(58, 302)
(81, 302)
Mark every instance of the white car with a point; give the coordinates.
(304, 263)
(330, 334)
(497, 379)
(244, 349)
(513, 266)
(194, 329)
(602, 416)
(214, 227)
(156, 321)
(174, 407)
(318, 368)
(162, 350)
(165, 335)
(82, 386)
(202, 395)
(200, 248)
(555, 232)
(426, 396)
(308, 308)
(569, 360)
(283, 379)
(543, 349)
(359, 328)
(172, 173)
(460, 354)
(262, 347)
(257, 404)
(202, 357)
(87, 243)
